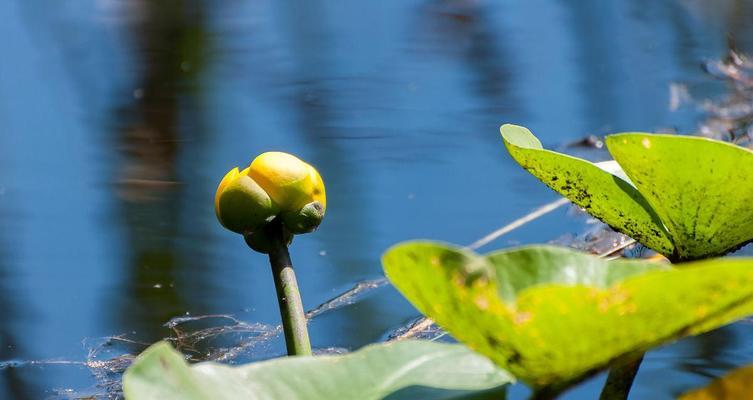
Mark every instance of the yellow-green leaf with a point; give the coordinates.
(605, 195)
(552, 315)
(701, 189)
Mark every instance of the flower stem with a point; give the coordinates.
(288, 296)
(620, 380)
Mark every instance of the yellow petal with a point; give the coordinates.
(318, 192)
(284, 177)
(226, 180)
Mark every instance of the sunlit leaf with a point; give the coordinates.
(552, 315)
(606, 195)
(701, 189)
(737, 384)
(686, 197)
(374, 372)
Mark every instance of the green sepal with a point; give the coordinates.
(244, 206)
(305, 220)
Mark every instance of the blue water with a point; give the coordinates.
(118, 118)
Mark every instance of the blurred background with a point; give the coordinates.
(118, 119)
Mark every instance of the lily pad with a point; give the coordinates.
(701, 189)
(682, 196)
(374, 372)
(607, 196)
(551, 315)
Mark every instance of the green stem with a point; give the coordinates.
(620, 380)
(288, 296)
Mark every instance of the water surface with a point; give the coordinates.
(117, 119)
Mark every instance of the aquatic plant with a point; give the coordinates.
(276, 197)
(685, 197)
(550, 316)
(269, 202)
(553, 316)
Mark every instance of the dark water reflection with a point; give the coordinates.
(169, 43)
(118, 118)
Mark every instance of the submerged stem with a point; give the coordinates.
(620, 380)
(288, 296)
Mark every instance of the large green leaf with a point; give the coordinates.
(552, 315)
(374, 372)
(702, 189)
(608, 196)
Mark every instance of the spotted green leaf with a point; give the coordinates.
(374, 372)
(607, 195)
(552, 315)
(701, 189)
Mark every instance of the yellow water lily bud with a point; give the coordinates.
(290, 182)
(305, 220)
(241, 204)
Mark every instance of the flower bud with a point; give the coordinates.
(305, 220)
(290, 182)
(274, 185)
(241, 204)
